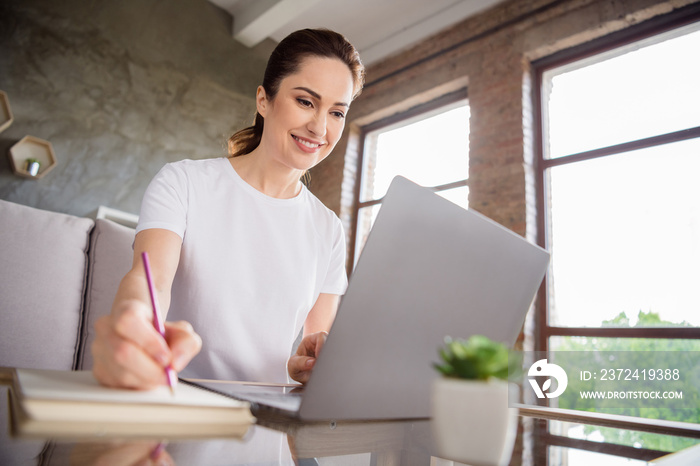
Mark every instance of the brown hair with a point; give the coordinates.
(284, 61)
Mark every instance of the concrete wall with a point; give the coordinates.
(119, 88)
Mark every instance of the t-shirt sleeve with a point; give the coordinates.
(164, 204)
(336, 279)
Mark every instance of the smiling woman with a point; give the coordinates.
(303, 121)
(286, 60)
(241, 252)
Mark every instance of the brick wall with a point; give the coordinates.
(489, 54)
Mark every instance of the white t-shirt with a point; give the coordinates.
(251, 266)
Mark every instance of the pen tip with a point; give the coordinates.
(172, 379)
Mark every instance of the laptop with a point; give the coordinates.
(429, 269)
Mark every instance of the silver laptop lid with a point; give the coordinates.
(429, 269)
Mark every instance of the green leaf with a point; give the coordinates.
(478, 358)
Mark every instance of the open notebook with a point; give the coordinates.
(73, 404)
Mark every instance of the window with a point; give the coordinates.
(619, 163)
(620, 199)
(428, 145)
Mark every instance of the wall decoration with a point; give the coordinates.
(6, 117)
(27, 153)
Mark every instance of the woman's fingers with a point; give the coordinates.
(130, 353)
(300, 364)
(184, 343)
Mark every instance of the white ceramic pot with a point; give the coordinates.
(471, 421)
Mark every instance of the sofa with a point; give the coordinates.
(60, 274)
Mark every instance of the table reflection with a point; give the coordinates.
(544, 440)
(260, 446)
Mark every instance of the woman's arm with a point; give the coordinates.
(322, 315)
(128, 351)
(316, 327)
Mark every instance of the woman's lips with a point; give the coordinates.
(306, 145)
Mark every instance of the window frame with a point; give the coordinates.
(543, 331)
(680, 18)
(358, 204)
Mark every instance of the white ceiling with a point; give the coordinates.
(378, 28)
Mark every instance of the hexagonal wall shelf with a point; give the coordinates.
(30, 147)
(5, 112)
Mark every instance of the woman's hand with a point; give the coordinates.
(129, 352)
(300, 364)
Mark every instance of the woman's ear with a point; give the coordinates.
(261, 101)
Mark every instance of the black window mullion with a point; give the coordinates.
(668, 138)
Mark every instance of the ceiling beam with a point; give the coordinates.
(437, 21)
(260, 19)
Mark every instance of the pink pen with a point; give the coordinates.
(157, 323)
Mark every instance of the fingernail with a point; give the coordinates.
(178, 363)
(157, 451)
(310, 362)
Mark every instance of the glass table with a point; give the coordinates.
(545, 437)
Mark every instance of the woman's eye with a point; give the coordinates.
(304, 102)
(339, 114)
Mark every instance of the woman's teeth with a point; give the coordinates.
(308, 144)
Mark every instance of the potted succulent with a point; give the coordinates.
(33, 166)
(471, 420)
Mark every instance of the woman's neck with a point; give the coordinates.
(268, 178)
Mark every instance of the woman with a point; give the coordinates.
(241, 252)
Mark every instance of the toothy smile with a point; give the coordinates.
(309, 144)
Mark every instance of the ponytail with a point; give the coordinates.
(246, 140)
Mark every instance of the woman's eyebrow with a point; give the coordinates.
(316, 95)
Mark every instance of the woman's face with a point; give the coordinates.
(305, 120)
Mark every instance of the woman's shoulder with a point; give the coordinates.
(321, 212)
(194, 169)
(196, 165)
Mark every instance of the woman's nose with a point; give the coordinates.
(317, 124)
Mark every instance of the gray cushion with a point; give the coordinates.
(110, 257)
(44, 259)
